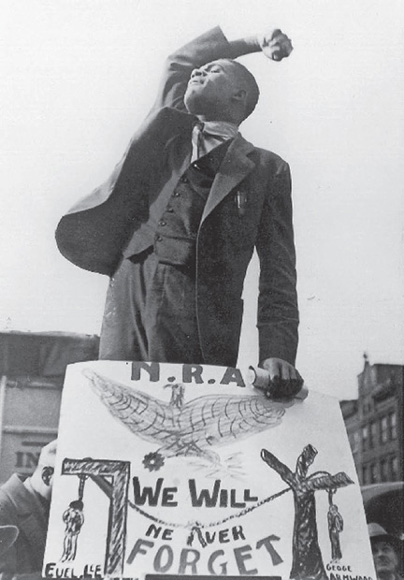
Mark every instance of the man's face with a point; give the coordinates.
(384, 557)
(210, 90)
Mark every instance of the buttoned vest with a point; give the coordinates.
(173, 232)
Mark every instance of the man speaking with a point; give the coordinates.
(176, 224)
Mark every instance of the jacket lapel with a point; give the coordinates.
(235, 167)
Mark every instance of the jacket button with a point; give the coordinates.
(158, 238)
(162, 223)
(184, 179)
(176, 194)
(170, 210)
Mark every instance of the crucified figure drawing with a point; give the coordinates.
(307, 561)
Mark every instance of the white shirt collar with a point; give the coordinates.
(207, 136)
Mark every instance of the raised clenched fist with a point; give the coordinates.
(275, 45)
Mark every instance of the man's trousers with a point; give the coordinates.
(150, 313)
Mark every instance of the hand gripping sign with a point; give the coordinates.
(169, 470)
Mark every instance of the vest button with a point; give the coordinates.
(176, 194)
(158, 238)
(170, 210)
(162, 223)
(184, 179)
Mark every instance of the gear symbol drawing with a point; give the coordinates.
(153, 461)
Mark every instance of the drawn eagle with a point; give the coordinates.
(186, 429)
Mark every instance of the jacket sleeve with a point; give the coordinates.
(8, 563)
(209, 46)
(9, 556)
(278, 317)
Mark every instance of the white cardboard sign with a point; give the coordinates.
(169, 470)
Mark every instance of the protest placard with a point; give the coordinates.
(167, 470)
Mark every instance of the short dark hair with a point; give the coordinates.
(250, 84)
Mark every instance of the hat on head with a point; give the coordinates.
(8, 535)
(377, 532)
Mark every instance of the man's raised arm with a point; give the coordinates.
(210, 46)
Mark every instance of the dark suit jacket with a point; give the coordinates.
(97, 231)
(22, 509)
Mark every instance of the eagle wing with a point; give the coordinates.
(216, 420)
(147, 417)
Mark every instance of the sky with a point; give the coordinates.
(78, 77)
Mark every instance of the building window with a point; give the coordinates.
(369, 405)
(393, 425)
(394, 468)
(364, 474)
(384, 470)
(373, 473)
(372, 435)
(384, 430)
(355, 442)
(365, 437)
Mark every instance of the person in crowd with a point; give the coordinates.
(24, 505)
(387, 553)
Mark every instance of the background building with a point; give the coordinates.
(374, 423)
(32, 369)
